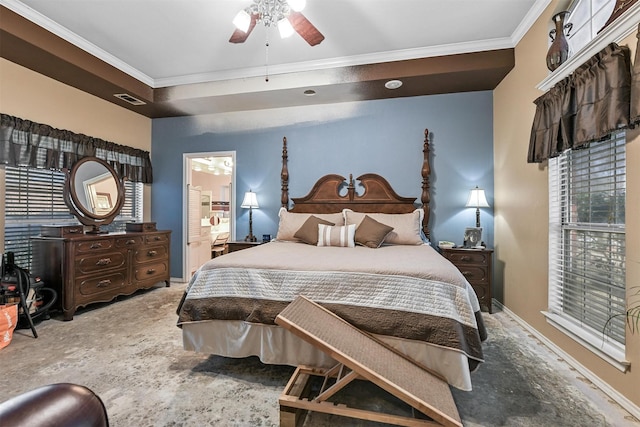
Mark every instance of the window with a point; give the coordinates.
(587, 18)
(587, 190)
(34, 197)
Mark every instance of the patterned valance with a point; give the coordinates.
(26, 143)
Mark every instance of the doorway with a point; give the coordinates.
(208, 200)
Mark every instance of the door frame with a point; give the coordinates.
(186, 181)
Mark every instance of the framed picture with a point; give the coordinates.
(103, 204)
(472, 237)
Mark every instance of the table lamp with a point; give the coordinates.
(477, 199)
(250, 202)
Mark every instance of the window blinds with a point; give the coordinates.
(587, 237)
(34, 197)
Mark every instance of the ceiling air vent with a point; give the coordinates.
(130, 99)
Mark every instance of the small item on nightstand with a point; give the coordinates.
(442, 244)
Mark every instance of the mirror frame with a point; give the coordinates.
(84, 215)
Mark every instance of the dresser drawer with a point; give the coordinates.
(151, 253)
(102, 283)
(94, 245)
(126, 242)
(156, 238)
(91, 264)
(469, 257)
(151, 271)
(474, 274)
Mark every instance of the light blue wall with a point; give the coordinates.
(384, 137)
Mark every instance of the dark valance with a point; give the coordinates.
(584, 107)
(26, 143)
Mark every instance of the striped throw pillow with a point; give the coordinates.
(336, 236)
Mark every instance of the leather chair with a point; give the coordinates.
(54, 405)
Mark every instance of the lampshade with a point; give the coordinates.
(477, 199)
(250, 200)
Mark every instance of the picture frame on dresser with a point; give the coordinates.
(472, 237)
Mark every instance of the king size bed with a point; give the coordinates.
(364, 257)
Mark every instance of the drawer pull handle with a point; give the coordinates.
(465, 258)
(104, 261)
(152, 253)
(467, 273)
(103, 283)
(74, 231)
(151, 271)
(130, 242)
(96, 245)
(157, 238)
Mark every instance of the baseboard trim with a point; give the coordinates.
(620, 399)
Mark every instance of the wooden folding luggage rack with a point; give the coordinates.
(359, 356)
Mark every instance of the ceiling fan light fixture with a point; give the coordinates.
(285, 28)
(393, 84)
(242, 21)
(297, 5)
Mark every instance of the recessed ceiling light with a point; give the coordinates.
(393, 84)
(309, 92)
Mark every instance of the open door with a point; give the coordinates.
(209, 179)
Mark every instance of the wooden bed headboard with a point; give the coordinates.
(378, 196)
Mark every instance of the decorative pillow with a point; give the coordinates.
(336, 236)
(371, 233)
(290, 223)
(407, 228)
(308, 233)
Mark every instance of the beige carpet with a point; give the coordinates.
(130, 353)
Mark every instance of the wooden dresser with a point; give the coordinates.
(476, 266)
(90, 268)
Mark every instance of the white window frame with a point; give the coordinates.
(562, 224)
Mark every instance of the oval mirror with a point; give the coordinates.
(94, 192)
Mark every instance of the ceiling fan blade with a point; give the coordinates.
(240, 36)
(305, 28)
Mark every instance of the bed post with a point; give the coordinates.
(426, 171)
(284, 176)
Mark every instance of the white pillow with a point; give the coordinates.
(407, 228)
(291, 222)
(343, 236)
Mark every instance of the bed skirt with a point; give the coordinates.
(277, 346)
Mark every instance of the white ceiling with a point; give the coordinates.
(175, 42)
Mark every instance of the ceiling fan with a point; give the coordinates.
(286, 14)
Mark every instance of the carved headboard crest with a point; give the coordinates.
(378, 196)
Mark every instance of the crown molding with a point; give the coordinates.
(71, 37)
(528, 21)
(341, 62)
(326, 64)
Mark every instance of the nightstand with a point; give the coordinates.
(476, 266)
(239, 245)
